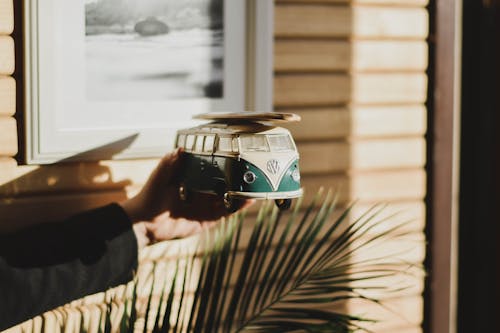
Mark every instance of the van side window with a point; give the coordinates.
(235, 145)
(224, 144)
(252, 143)
(181, 140)
(209, 144)
(189, 142)
(199, 143)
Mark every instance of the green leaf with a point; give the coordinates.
(150, 297)
(242, 277)
(156, 328)
(272, 268)
(178, 323)
(133, 311)
(165, 327)
(285, 270)
(232, 243)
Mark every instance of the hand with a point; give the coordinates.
(158, 213)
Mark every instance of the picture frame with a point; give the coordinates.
(80, 105)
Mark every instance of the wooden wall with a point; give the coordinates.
(354, 70)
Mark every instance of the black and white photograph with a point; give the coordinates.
(101, 71)
(154, 49)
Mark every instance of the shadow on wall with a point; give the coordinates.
(51, 192)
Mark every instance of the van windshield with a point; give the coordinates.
(265, 143)
(281, 142)
(250, 143)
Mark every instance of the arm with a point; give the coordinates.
(158, 213)
(49, 265)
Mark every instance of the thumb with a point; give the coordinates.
(168, 168)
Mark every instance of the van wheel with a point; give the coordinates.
(183, 192)
(230, 203)
(283, 204)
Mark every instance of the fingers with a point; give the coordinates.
(159, 189)
(164, 227)
(141, 232)
(205, 207)
(169, 167)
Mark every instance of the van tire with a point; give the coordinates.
(230, 203)
(283, 204)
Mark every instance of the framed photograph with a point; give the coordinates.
(107, 79)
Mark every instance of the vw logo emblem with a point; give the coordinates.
(273, 166)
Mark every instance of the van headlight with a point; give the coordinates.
(296, 175)
(249, 177)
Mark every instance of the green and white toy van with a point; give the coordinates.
(241, 156)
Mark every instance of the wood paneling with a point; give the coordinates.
(321, 20)
(409, 314)
(7, 96)
(371, 186)
(6, 17)
(6, 55)
(392, 186)
(363, 88)
(389, 185)
(411, 212)
(72, 177)
(17, 213)
(8, 136)
(387, 154)
(312, 55)
(316, 20)
(389, 55)
(310, 89)
(302, 55)
(390, 22)
(359, 122)
(404, 329)
(393, 88)
(389, 121)
(419, 3)
(321, 157)
(321, 123)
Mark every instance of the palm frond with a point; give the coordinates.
(293, 272)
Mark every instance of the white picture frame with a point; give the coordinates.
(61, 124)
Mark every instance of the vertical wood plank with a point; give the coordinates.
(441, 300)
(6, 17)
(7, 96)
(8, 136)
(6, 55)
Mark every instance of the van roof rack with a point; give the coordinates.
(249, 117)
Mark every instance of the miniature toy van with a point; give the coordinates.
(240, 160)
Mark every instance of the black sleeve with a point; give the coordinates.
(49, 265)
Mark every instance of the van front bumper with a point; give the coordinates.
(266, 195)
